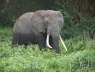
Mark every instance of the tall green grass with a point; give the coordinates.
(80, 56)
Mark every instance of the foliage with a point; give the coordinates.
(79, 16)
(80, 56)
(83, 27)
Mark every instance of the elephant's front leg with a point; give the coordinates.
(41, 41)
(55, 43)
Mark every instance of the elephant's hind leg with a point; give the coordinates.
(15, 40)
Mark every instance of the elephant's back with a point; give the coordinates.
(23, 23)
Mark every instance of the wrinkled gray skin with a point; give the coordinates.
(33, 27)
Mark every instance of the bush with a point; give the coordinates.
(79, 57)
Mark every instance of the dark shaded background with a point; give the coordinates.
(79, 14)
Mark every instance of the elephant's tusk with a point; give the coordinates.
(63, 43)
(47, 41)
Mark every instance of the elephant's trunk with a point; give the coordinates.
(63, 43)
(47, 41)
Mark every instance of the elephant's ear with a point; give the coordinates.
(60, 19)
(60, 22)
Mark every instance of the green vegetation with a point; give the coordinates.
(79, 58)
(78, 32)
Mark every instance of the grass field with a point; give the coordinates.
(80, 56)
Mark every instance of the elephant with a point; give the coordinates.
(40, 27)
